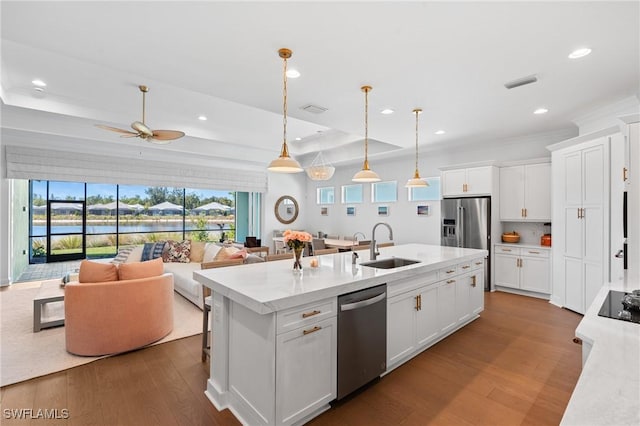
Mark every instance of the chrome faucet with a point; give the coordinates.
(355, 236)
(373, 252)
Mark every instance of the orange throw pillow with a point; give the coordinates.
(96, 272)
(136, 270)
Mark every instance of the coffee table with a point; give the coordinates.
(48, 305)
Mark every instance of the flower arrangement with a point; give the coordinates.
(296, 239)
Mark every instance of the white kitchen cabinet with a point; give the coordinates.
(584, 187)
(447, 314)
(525, 193)
(468, 182)
(306, 360)
(523, 268)
(412, 321)
(423, 313)
(401, 326)
(307, 370)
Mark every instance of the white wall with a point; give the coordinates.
(280, 184)
(407, 225)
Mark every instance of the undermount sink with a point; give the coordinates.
(394, 262)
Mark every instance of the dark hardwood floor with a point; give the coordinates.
(515, 365)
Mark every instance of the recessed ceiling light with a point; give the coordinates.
(38, 83)
(440, 132)
(387, 111)
(298, 139)
(202, 117)
(293, 73)
(579, 53)
(541, 111)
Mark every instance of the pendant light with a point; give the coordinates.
(366, 174)
(284, 163)
(319, 170)
(416, 181)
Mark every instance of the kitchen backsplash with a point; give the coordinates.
(530, 232)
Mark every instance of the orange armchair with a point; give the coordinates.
(117, 316)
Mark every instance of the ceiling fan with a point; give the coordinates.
(144, 132)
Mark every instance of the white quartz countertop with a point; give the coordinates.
(608, 390)
(273, 286)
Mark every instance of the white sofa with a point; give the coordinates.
(183, 281)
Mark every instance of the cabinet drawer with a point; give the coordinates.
(301, 316)
(515, 251)
(402, 286)
(449, 271)
(477, 263)
(534, 252)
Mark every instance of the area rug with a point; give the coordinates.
(25, 354)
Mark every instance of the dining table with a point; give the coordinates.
(340, 244)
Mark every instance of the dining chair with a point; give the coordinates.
(279, 256)
(325, 251)
(318, 244)
(281, 247)
(207, 301)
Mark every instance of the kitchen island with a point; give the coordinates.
(608, 390)
(274, 350)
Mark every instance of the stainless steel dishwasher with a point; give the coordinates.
(362, 338)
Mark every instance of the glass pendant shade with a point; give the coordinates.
(416, 181)
(284, 163)
(366, 174)
(319, 170)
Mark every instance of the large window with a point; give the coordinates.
(69, 217)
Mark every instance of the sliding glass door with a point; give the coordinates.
(66, 230)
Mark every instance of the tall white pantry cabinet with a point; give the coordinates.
(581, 210)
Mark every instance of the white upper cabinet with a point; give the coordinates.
(525, 193)
(467, 182)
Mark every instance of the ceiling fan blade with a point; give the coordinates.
(115, 129)
(167, 135)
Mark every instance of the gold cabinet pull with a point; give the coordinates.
(521, 212)
(473, 281)
(466, 267)
(310, 314)
(451, 281)
(534, 252)
(579, 213)
(525, 212)
(625, 174)
(478, 263)
(417, 303)
(504, 249)
(451, 271)
(582, 212)
(312, 330)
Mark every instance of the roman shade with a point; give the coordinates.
(49, 164)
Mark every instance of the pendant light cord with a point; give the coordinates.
(417, 111)
(366, 90)
(284, 106)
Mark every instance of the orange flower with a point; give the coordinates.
(296, 239)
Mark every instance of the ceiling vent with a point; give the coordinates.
(315, 109)
(521, 81)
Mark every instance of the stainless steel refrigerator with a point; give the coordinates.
(466, 222)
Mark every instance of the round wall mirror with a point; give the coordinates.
(286, 209)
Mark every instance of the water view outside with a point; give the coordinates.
(121, 215)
